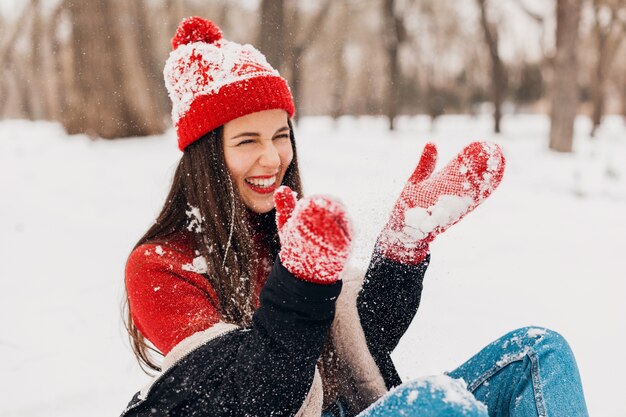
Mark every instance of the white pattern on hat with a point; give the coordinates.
(224, 62)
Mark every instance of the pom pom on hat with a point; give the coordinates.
(196, 29)
(212, 81)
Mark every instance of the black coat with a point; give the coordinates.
(268, 369)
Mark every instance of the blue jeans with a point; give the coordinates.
(529, 372)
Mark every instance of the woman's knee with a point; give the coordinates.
(542, 340)
(531, 335)
(439, 396)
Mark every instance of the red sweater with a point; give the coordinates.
(168, 300)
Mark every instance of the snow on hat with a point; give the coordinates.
(212, 81)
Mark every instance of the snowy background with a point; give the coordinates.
(546, 249)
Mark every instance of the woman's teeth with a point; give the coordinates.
(265, 182)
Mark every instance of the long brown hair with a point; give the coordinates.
(202, 191)
(224, 239)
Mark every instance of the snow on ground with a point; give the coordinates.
(546, 249)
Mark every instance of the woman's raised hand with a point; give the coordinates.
(315, 236)
(429, 204)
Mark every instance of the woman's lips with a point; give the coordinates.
(262, 190)
(263, 184)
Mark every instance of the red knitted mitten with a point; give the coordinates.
(428, 205)
(315, 236)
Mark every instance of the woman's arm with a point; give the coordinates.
(389, 299)
(266, 369)
(269, 369)
(427, 206)
(286, 341)
(387, 304)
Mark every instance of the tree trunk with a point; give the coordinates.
(565, 83)
(143, 75)
(7, 56)
(95, 105)
(623, 96)
(498, 74)
(297, 43)
(27, 107)
(608, 37)
(4, 87)
(57, 88)
(392, 37)
(598, 90)
(271, 35)
(338, 64)
(39, 78)
(296, 78)
(111, 93)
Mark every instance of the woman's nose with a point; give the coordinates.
(270, 156)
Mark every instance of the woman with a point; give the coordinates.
(238, 283)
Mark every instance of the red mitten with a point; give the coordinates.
(315, 236)
(428, 205)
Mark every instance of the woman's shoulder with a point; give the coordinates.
(175, 255)
(175, 246)
(172, 261)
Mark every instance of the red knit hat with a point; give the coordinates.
(212, 81)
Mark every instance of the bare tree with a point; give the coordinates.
(564, 89)
(608, 30)
(143, 74)
(438, 84)
(498, 74)
(364, 89)
(340, 73)
(23, 84)
(9, 59)
(540, 22)
(37, 84)
(54, 69)
(394, 34)
(271, 34)
(111, 90)
(301, 38)
(623, 94)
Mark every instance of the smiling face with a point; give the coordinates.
(257, 151)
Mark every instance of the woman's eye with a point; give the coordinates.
(285, 136)
(244, 142)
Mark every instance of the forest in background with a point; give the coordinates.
(96, 66)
